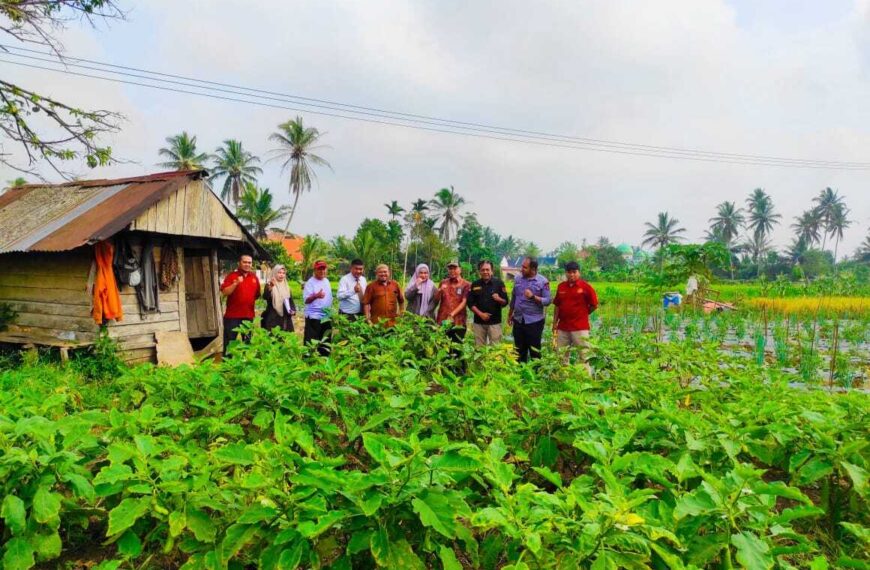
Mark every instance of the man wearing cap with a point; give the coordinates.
(451, 297)
(575, 300)
(241, 288)
(383, 300)
(317, 295)
(529, 302)
(351, 289)
(486, 299)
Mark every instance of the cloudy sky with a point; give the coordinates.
(775, 77)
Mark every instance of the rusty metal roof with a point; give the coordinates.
(65, 216)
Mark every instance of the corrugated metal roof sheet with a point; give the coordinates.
(66, 216)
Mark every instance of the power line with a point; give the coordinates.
(396, 115)
(442, 128)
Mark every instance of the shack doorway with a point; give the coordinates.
(201, 297)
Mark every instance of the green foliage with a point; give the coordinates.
(101, 360)
(381, 456)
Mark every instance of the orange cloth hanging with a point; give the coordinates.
(107, 298)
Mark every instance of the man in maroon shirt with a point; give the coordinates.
(575, 300)
(241, 288)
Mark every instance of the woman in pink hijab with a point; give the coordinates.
(420, 294)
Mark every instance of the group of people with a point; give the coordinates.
(383, 301)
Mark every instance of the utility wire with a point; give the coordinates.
(401, 116)
(437, 127)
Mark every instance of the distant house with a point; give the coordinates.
(47, 259)
(292, 244)
(510, 268)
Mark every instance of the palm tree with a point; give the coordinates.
(297, 145)
(762, 216)
(394, 210)
(808, 227)
(863, 253)
(256, 210)
(757, 246)
(726, 225)
(237, 165)
(313, 248)
(839, 221)
(825, 204)
(182, 153)
(664, 232)
(446, 205)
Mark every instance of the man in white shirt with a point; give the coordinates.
(317, 295)
(351, 289)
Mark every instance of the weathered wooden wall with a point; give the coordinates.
(49, 293)
(192, 210)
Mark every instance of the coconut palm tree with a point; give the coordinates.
(255, 209)
(664, 232)
(446, 206)
(863, 253)
(394, 210)
(313, 248)
(182, 153)
(238, 166)
(757, 246)
(837, 224)
(297, 147)
(762, 216)
(808, 226)
(727, 222)
(826, 203)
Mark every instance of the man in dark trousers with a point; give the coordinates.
(241, 288)
(486, 298)
(529, 302)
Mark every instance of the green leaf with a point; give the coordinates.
(291, 557)
(752, 552)
(695, 503)
(862, 533)
(550, 476)
(545, 453)
(47, 546)
(14, 514)
(236, 537)
(448, 558)
(129, 545)
(46, 505)
(81, 486)
(858, 476)
(18, 555)
(201, 525)
(235, 453)
(310, 529)
(177, 522)
(126, 514)
(594, 449)
(380, 547)
(533, 542)
(815, 469)
(435, 512)
(780, 489)
(113, 473)
(819, 563)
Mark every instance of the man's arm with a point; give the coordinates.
(555, 317)
(345, 291)
(593, 298)
(544, 299)
(309, 295)
(228, 287)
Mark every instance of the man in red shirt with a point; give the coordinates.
(241, 288)
(575, 300)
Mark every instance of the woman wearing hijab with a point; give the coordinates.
(280, 307)
(421, 293)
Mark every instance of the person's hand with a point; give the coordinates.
(485, 317)
(419, 282)
(321, 294)
(272, 282)
(239, 279)
(497, 298)
(528, 293)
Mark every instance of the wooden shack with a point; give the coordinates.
(47, 237)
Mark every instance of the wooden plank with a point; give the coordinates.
(70, 282)
(127, 329)
(136, 318)
(45, 308)
(68, 262)
(139, 355)
(136, 341)
(40, 335)
(60, 296)
(180, 290)
(208, 289)
(83, 324)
